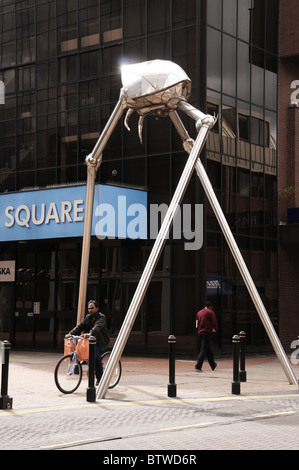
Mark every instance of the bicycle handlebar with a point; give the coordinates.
(73, 337)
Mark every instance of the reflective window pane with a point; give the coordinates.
(214, 59)
(229, 65)
(214, 13)
(230, 16)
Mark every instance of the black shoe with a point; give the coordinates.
(198, 370)
(216, 365)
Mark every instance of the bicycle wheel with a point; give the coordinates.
(68, 374)
(116, 375)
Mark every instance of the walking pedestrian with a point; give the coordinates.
(206, 325)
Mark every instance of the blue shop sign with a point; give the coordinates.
(216, 285)
(59, 213)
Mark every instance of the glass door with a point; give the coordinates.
(24, 316)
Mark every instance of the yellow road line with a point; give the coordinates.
(207, 423)
(41, 410)
(62, 444)
(269, 415)
(112, 403)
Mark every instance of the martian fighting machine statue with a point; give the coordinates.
(162, 88)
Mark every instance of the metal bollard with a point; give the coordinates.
(5, 400)
(236, 377)
(243, 374)
(172, 384)
(91, 390)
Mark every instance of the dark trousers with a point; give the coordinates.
(98, 362)
(204, 349)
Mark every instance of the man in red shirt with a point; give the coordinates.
(206, 324)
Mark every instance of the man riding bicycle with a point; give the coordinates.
(94, 324)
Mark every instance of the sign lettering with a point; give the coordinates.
(59, 212)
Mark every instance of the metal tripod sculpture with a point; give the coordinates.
(160, 88)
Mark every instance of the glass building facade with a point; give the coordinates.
(60, 64)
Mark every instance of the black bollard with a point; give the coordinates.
(91, 390)
(5, 400)
(172, 384)
(243, 375)
(236, 353)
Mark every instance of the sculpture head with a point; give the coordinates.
(153, 87)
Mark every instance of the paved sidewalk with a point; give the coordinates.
(138, 414)
(31, 379)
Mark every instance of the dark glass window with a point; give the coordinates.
(111, 60)
(89, 24)
(254, 130)
(230, 16)
(68, 68)
(26, 151)
(158, 15)
(134, 9)
(134, 171)
(46, 101)
(228, 65)
(46, 75)
(184, 50)
(243, 127)
(214, 13)
(45, 28)
(159, 174)
(213, 110)
(88, 101)
(67, 97)
(264, 24)
(214, 59)
(111, 172)
(111, 21)
(159, 46)
(25, 179)
(46, 178)
(89, 64)
(46, 146)
(184, 289)
(25, 31)
(183, 13)
(243, 72)
(264, 30)
(67, 23)
(244, 19)
(7, 31)
(27, 78)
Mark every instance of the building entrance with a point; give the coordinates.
(34, 319)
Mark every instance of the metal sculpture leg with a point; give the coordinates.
(93, 162)
(154, 256)
(200, 170)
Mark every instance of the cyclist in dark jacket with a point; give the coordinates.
(94, 324)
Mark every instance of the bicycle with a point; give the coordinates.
(69, 372)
